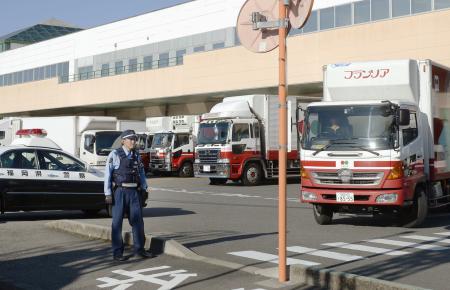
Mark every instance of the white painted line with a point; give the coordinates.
(427, 238)
(443, 234)
(408, 244)
(325, 254)
(369, 249)
(260, 256)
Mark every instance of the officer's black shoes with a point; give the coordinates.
(145, 254)
(120, 258)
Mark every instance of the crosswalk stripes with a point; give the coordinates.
(325, 254)
(264, 257)
(407, 244)
(426, 238)
(364, 248)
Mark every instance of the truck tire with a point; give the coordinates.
(414, 215)
(186, 170)
(323, 214)
(252, 174)
(217, 181)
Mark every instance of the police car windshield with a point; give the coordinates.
(162, 140)
(105, 140)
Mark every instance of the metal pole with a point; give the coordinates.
(282, 140)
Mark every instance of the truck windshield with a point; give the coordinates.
(162, 140)
(141, 141)
(213, 133)
(104, 141)
(345, 128)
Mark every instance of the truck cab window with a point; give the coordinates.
(240, 131)
(410, 132)
(181, 140)
(89, 143)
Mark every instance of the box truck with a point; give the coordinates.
(238, 140)
(378, 143)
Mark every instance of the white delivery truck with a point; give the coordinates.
(379, 141)
(238, 140)
(89, 138)
(172, 150)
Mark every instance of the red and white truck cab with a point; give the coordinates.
(173, 150)
(238, 140)
(378, 143)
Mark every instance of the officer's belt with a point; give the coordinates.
(130, 185)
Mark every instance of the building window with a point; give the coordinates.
(219, 45)
(85, 72)
(311, 24)
(148, 62)
(199, 48)
(105, 70)
(441, 4)
(132, 65)
(326, 18)
(180, 55)
(400, 7)
(362, 11)
(418, 6)
(1, 81)
(41, 73)
(380, 9)
(53, 70)
(343, 15)
(118, 67)
(163, 60)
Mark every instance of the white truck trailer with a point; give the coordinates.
(136, 125)
(379, 141)
(238, 140)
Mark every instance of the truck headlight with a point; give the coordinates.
(223, 160)
(306, 195)
(386, 198)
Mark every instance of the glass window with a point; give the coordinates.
(60, 69)
(362, 11)
(380, 9)
(36, 74)
(326, 18)
(418, 6)
(118, 67)
(180, 55)
(19, 77)
(240, 131)
(343, 15)
(410, 132)
(48, 71)
(148, 61)
(132, 65)
(441, 4)
(49, 160)
(53, 70)
(1, 81)
(311, 24)
(24, 159)
(219, 45)
(400, 7)
(105, 70)
(199, 48)
(163, 60)
(41, 73)
(181, 140)
(66, 69)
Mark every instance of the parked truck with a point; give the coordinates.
(379, 141)
(172, 150)
(89, 138)
(238, 140)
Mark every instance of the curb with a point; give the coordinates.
(312, 276)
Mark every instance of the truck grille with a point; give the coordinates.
(358, 178)
(208, 155)
(154, 159)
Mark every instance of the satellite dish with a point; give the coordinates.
(299, 11)
(260, 40)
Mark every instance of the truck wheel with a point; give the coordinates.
(415, 214)
(217, 181)
(323, 214)
(252, 174)
(186, 170)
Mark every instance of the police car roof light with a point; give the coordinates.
(32, 132)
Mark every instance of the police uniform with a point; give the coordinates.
(124, 169)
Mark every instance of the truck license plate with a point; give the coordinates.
(206, 168)
(345, 197)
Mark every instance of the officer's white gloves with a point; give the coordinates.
(108, 199)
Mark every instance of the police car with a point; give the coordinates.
(36, 174)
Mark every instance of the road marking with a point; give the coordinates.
(325, 254)
(443, 234)
(369, 249)
(427, 238)
(260, 256)
(407, 244)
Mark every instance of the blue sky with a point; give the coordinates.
(18, 14)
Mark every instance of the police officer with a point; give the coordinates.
(124, 174)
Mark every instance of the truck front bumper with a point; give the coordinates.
(160, 166)
(215, 170)
(367, 196)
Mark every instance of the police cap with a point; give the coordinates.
(128, 134)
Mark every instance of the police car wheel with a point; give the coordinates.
(90, 212)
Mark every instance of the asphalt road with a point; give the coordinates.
(239, 224)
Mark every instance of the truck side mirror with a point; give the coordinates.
(404, 117)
